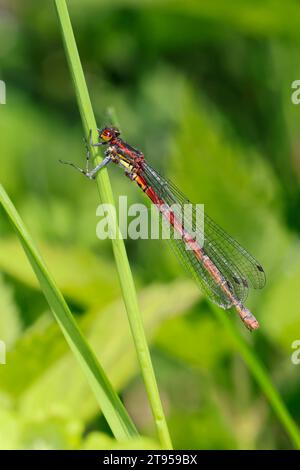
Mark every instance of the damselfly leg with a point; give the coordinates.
(91, 174)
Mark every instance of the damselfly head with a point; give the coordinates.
(108, 133)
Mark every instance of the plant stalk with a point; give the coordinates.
(120, 255)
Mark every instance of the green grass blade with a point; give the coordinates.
(262, 378)
(106, 196)
(111, 406)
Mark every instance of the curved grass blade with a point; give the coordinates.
(120, 255)
(111, 405)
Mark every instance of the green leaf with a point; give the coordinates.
(10, 429)
(80, 275)
(100, 441)
(195, 330)
(108, 400)
(281, 308)
(10, 324)
(50, 377)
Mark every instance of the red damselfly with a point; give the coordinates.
(222, 268)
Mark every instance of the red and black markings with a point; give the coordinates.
(219, 248)
(246, 316)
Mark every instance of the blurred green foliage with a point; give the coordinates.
(204, 89)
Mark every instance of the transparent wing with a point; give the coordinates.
(202, 277)
(238, 267)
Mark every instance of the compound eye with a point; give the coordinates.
(106, 135)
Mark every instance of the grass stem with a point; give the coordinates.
(262, 378)
(120, 255)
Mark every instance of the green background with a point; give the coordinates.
(204, 90)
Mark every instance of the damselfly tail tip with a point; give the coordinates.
(248, 319)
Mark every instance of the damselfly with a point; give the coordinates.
(222, 268)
